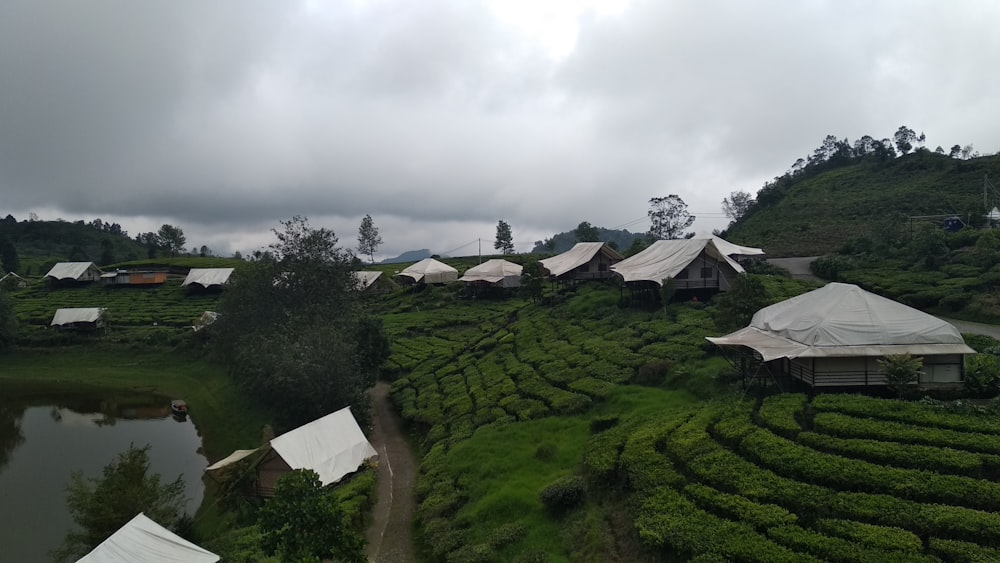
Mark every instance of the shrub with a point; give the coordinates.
(982, 375)
(564, 494)
(653, 373)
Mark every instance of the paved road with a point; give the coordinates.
(389, 536)
(798, 267)
(970, 327)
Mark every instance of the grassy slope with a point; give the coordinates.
(819, 213)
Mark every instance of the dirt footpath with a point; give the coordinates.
(798, 267)
(390, 537)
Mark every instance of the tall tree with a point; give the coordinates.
(305, 522)
(107, 252)
(8, 321)
(905, 137)
(101, 505)
(171, 239)
(585, 232)
(9, 260)
(668, 217)
(368, 238)
(505, 239)
(294, 330)
(737, 205)
(533, 280)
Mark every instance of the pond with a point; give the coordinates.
(45, 437)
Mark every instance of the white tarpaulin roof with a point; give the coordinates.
(206, 277)
(844, 320)
(230, 459)
(580, 254)
(332, 446)
(730, 249)
(143, 541)
(366, 279)
(70, 270)
(666, 258)
(77, 315)
(430, 270)
(503, 272)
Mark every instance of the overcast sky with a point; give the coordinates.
(440, 117)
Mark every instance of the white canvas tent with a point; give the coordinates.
(90, 317)
(366, 279)
(586, 260)
(704, 262)
(332, 446)
(78, 271)
(497, 272)
(142, 540)
(208, 277)
(429, 270)
(834, 336)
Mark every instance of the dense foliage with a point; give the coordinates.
(102, 505)
(8, 321)
(293, 331)
(305, 522)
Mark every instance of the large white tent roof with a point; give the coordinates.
(206, 277)
(666, 258)
(77, 315)
(580, 254)
(332, 446)
(844, 320)
(503, 272)
(142, 540)
(70, 270)
(430, 270)
(366, 279)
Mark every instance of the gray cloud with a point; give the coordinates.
(439, 119)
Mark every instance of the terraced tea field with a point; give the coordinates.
(840, 478)
(166, 305)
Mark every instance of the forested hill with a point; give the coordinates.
(41, 241)
(816, 209)
(561, 242)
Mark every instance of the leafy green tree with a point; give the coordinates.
(902, 373)
(171, 239)
(736, 307)
(905, 137)
(368, 238)
(585, 232)
(9, 260)
(638, 245)
(668, 217)
(305, 522)
(8, 321)
(737, 205)
(107, 252)
(533, 280)
(505, 239)
(293, 328)
(102, 505)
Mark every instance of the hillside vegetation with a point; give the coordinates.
(816, 210)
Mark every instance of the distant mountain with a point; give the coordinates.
(409, 256)
(562, 242)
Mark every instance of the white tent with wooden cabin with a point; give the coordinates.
(696, 263)
(835, 335)
(585, 261)
(332, 446)
(75, 271)
(428, 270)
(142, 540)
(496, 272)
(79, 318)
(208, 277)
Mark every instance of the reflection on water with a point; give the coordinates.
(44, 438)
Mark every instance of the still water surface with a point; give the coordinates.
(43, 439)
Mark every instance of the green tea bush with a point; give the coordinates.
(564, 494)
(879, 537)
(982, 375)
